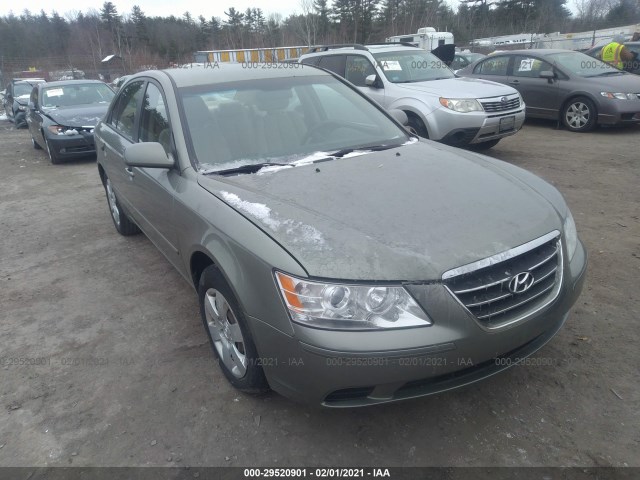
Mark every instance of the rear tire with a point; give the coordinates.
(121, 220)
(229, 334)
(579, 115)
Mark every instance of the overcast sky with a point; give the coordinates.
(165, 8)
(161, 8)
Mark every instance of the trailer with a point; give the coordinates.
(249, 55)
(427, 38)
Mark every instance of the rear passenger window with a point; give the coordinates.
(493, 66)
(125, 111)
(335, 63)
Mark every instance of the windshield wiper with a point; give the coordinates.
(248, 168)
(373, 148)
(607, 73)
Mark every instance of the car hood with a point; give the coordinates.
(627, 83)
(461, 87)
(381, 216)
(78, 116)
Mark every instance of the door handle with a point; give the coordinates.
(515, 82)
(130, 172)
(103, 146)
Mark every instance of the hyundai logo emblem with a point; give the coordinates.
(521, 282)
(503, 100)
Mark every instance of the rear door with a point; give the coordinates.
(539, 94)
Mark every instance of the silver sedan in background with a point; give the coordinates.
(337, 258)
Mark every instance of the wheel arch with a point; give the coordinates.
(573, 96)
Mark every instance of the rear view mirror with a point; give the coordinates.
(147, 155)
(372, 81)
(548, 74)
(33, 106)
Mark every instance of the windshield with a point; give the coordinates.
(281, 120)
(77, 94)
(581, 64)
(408, 66)
(21, 89)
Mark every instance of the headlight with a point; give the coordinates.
(349, 307)
(570, 234)
(620, 96)
(462, 105)
(60, 130)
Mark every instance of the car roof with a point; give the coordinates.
(28, 80)
(210, 74)
(62, 83)
(374, 48)
(535, 51)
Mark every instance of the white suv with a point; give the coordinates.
(439, 105)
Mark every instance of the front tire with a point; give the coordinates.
(579, 115)
(35, 144)
(124, 225)
(53, 156)
(417, 126)
(229, 333)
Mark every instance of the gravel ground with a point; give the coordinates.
(105, 361)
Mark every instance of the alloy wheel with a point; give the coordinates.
(225, 332)
(578, 115)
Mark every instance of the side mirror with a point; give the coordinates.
(33, 106)
(372, 81)
(399, 116)
(147, 155)
(548, 74)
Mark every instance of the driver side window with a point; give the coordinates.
(529, 67)
(358, 68)
(154, 124)
(125, 111)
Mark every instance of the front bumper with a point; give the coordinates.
(616, 112)
(348, 369)
(459, 129)
(72, 146)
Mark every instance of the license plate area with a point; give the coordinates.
(507, 123)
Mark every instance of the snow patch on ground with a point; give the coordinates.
(3, 117)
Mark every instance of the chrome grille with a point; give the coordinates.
(499, 106)
(483, 288)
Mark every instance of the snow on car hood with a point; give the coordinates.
(78, 116)
(460, 88)
(386, 217)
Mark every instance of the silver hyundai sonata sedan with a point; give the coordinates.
(337, 259)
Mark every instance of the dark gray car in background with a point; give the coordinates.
(579, 90)
(62, 115)
(337, 259)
